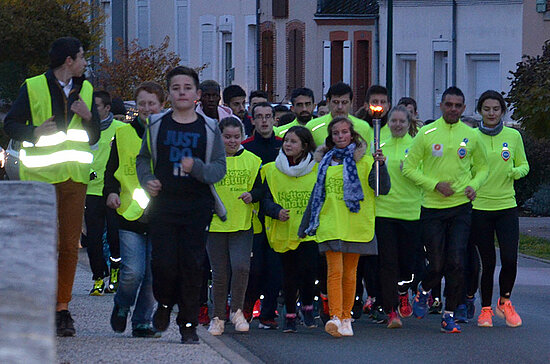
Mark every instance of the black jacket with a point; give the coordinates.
(265, 148)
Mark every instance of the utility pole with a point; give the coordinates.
(389, 51)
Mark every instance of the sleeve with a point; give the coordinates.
(480, 165)
(521, 166)
(111, 184)
(258, 190)
(144, 162)
(411, 166)
(92, 127)
(214, 171)
(305, 219)
(385, 182)
(16, 123)
(268, 206)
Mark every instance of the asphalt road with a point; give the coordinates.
(418, 340)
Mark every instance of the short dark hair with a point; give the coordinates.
(61, 49)
(281, 107)
(455, 91)
(491, 95)
(262, 104)
(286, 118)
(322, 103)
(209, 84)
(340, 89)
(232, 91)
(355, 137)
(104, 96)
(375, 90)
(302, 91)
(257, 93)
(153, 88)
(305, 137)
(405, 101)
(117, 106)
(182, 70)
(233, 122)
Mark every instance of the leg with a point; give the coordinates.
(132, 270)
(408, 240)
(272, 282)
(164, 260)
(387, 235)
(94, 215)
(217, 247)
(145, 304)
(291, 275)
(112, 232)
(483, 233)
(433, 236)
(308, 257)
(255, 275)
(335, 270)
(240, 246)
(507, 228)
(349, 276)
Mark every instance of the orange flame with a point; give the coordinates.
(376, 108)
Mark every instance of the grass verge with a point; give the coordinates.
(534, 246)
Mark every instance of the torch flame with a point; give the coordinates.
(376, 108)
(2, 158)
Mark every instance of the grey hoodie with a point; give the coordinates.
(210, 171)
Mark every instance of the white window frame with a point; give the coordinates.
(182, 51)
(403, 62)
(147, 4)
(471, 59)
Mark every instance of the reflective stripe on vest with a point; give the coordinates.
(133, 199)
(242, 171)
(60, 156)
(291, 193)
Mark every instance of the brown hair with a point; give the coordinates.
(153, 88)
(305, 137)
(355, 137)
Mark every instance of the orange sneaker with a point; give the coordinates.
(485, 318)
(506, 311)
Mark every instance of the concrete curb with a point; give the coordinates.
(227, 353)
(542, 260)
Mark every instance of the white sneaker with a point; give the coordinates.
(345, 329)
(333, 326)
(216, 326)
(237, 318)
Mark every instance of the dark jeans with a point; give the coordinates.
(472, 267)
(206, 276)
(368, 269)
(97, 215)
(445, 234)
(265, 277)
(179, 251)
(397, 240)
(506, 225)
(299, 274)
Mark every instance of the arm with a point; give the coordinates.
(385, 182)
(479, 164)
(305, 219)
(521, 166)
(268, 206)
(215, 170)
(112, 185)
(15, 123)
(92, 126)
(143, 163)
(412, 163)
(259, 189)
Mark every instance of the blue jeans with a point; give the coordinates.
(135, 274)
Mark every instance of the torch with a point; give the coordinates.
(376, 111)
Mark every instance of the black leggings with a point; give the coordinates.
(506, 225)
(299, 274)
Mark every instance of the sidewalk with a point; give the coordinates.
(535, 226)
(95, 342)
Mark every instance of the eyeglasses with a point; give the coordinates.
(263, 117)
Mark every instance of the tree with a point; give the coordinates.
(27, 29)
(530, 93)
(134, 65)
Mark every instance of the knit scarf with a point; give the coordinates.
(353, 192)
(301, 169)
(106, 123)
(491, 131)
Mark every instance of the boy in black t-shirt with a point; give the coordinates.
(181, 157)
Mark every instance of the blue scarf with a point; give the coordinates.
(353, 192)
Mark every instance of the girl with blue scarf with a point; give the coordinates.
(340, 213)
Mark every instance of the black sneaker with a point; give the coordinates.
(119, 316)
(290, 324)
(145, 330)
(309, 319)
(189, 335)
(357, 309)
(161, 318)
(64, 323)
(378, 315)
(436, 308)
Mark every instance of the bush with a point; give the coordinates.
(538, 156)
(540, 202)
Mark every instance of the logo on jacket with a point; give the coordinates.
(505, 154)
(437, 150)
(462, 151)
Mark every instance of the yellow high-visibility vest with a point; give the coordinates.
(61, 156)
(133, 198)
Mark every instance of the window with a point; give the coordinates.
(406, 75)
(483, 74)
(280, 8)
(295, 58)
(207, 51)
(143, 23)
(441, 78)
(182, 29)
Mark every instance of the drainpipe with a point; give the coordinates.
(389, 51)
(258, 79)
(376, 52)
(453, 66)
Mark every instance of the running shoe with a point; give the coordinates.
(237, 318)
(119, 317)
(485, 318)
(324, 313)
(257, 308)
(189, 335)
(99, 287)
(268, 324)
(113, 281)
(367, 307)
(394, 322)
(161, 318)
(333, 326)
(420, 302)
(345, 328)
(378, 315)
(145, 330)
(461, 314)
(290, 324)
(448, 324)
(308, 319)
(204, 319)
(357, 308)
(470, 307)
(64, 323)
(436, 308)
(216, 327)
(405, 308)
(508, 312)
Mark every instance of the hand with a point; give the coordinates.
(246, 197)
(153, 187)
(187, 164)
(379, 156)
(48, 127)
(113, 201)
(80, 108)
(470, 193)
(445, 189)
(283, 215)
